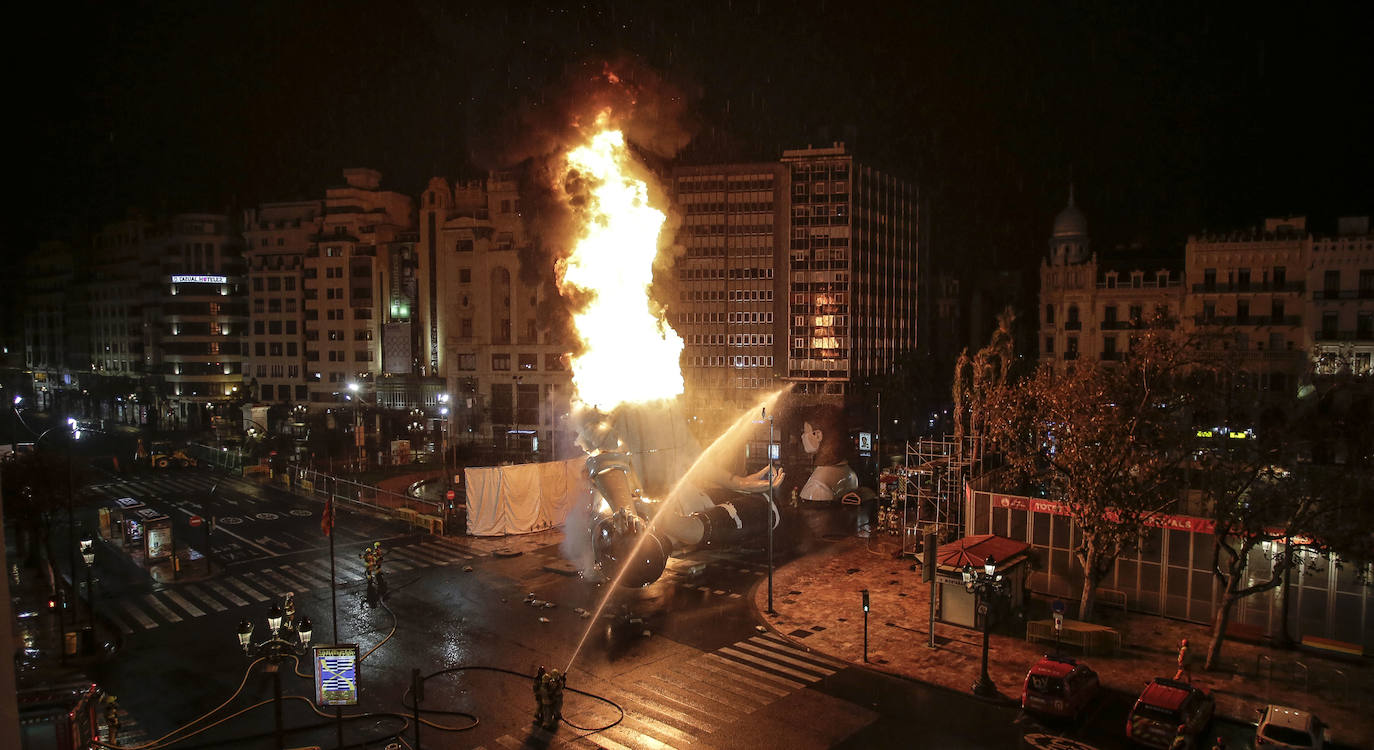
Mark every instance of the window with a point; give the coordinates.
(463, 246)
(1329, 325)
(500, 362)
(1366, 283)
(260, 349)
(258, 327)
(465, 276)
(1071, 348)
(1280, 277)
(1136, 311)
(1109, 316)
(1242, 311)
(1209, 311)
(465, 328)
(1109, 347)
(257, 284)
(290, 327)
(1331, 283)
(467, 362)
(1364, 326)
(1049, 345)
(1049, 315)
(1209, 280)
(529, 361)
(1243, 280)
(553, 362)
(1276, 311)
(274, 284)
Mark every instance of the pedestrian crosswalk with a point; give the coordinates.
(687, 703)
(194, 599)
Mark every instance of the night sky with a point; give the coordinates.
(1168, 120)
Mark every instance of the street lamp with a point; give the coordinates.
(276, 649)
(88, 557)
(985, 585)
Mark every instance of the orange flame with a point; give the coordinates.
(630, 354)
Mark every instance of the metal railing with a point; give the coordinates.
(398, 505)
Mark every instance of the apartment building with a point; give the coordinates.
(344, 288)
(485, 322)
(855, 249)
(1089, 305)
(1340, 308)
(54, 320)
(729, 280)
(1250, 286)
(277, 238)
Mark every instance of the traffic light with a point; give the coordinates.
(52, 602)
(865, 600)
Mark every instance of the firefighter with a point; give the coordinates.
(288, 609)
(1220, 744)
(1180, 738)
(377, 555)
(369, 557)
(556, 682)
(112, 715)
(540, 692)
(1183, 673)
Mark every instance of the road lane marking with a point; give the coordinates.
(227, 594)
(161, 608)
(136, 613)
(755, 671)
(736, 653)
(181, 601)
(774, 655)
(245, 588)
(204, 598)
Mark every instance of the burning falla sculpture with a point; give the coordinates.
(657, 492)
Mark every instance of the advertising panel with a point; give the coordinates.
(336, 675)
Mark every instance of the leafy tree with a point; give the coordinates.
(1265, 496)
(1103, 438)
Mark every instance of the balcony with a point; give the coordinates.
(1251, 320)
(1254, 286)
(1331, 295)
(1073, 325)
(1333, 335)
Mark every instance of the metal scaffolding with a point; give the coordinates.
(931, 486)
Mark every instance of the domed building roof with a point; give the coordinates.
(1070, 222)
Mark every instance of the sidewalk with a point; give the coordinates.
(52, 644)
(818, 603)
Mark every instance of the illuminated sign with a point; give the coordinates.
(200, 279)
(865, 441)
(336, 675)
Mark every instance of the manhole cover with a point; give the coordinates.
(230, 520)
(267, 516)
(799, 633)
(506, 552)
(302, 513)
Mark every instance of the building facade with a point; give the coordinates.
(1250, 287)
(485, 322)
(730, 281)
(277, 237)
(855, 249)
(1088, 305)
(1340, 307)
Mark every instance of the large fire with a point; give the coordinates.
(629, 354)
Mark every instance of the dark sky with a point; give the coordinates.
(1169, 119)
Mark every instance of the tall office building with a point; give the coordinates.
(730, 276)
(855, 251)
(195, 314)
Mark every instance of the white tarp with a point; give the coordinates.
(524, 498)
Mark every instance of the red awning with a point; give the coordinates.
(974, 550)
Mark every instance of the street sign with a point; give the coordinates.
(196, 520)
(336, 675)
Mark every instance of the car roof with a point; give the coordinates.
(1164, 693)
(1285, 716)
(1054, 666)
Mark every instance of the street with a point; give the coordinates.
(684, 661)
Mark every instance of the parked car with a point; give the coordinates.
(1282, 727)
(1058, 686)
(1165, 705)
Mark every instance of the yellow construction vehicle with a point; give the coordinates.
(165, 455)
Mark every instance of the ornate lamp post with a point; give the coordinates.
(276, 649)
(985, 585)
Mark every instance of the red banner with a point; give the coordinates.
(1164, 521)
